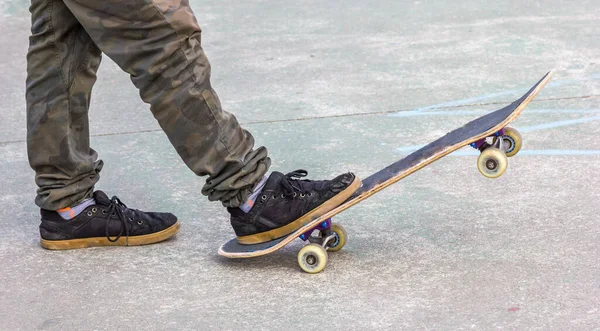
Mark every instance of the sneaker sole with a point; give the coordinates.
(146, 239)
(304, 219)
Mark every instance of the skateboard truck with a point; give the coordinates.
(325, 225)
(325, 236)
(482, 144)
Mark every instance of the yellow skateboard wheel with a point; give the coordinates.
(512, 141)
(312, 258)
(340, 237)
(492, 162)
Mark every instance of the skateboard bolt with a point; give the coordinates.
(491, 164)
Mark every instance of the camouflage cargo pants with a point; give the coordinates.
(158, 43)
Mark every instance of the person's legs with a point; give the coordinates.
(158, 43)
(61, 69)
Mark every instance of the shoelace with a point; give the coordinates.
(116, 207)
(292, 184)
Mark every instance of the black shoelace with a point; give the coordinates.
(116, 207)
(292, 185)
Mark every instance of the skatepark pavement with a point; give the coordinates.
(334, 86)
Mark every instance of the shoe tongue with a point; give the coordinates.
(274, 181)
(101, 198)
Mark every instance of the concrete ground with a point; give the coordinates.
(331, 86)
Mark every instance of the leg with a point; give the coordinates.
(61, 69)
(158, 43)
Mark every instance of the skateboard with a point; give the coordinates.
(488, 134)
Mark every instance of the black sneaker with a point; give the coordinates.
(107, 223)
(287, 203)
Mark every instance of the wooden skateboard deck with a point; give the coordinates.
(473, 133)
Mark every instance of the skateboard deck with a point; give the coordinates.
(477, 133)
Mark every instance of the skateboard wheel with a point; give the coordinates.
(492, 162)
(513, 141)
(340, 238)
(312, 258)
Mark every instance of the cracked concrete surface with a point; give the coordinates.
(332, 86)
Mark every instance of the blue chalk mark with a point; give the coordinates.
(557, 124)
(470, 101)
(414, 113)
(408, 149)
(538, 152)
(595, 76)
(532, 128)
(463, 102)
(526, 152)
(563, 111)
(560, 152)
(557, 83)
